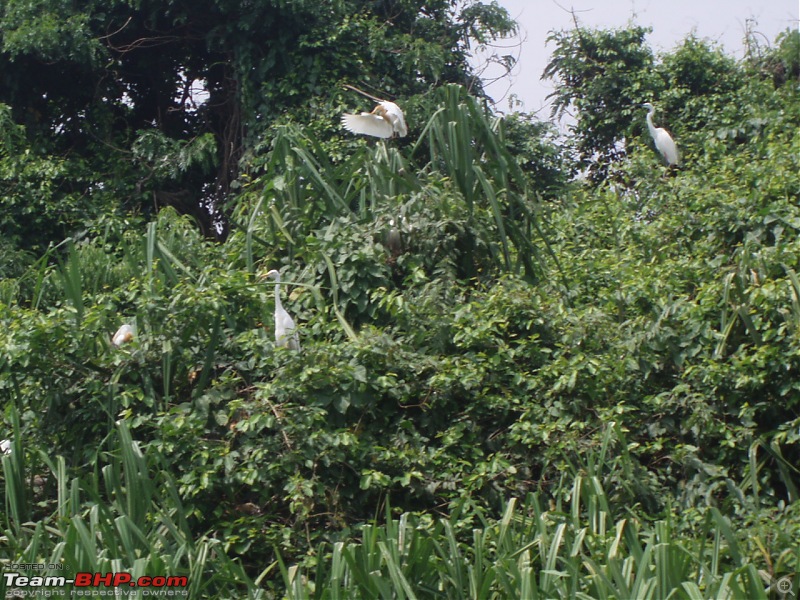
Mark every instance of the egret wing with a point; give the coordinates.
(367, 124)
(293, 342)
(666, 145)
(285, 333)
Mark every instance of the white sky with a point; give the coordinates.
(722, 21)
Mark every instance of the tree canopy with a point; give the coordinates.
(182, 90)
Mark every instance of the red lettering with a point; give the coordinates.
(118, 579)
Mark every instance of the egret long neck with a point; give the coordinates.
(278, 293)
(650, 125)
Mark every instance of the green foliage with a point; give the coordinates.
(604, 76)
(188, 90)
(49, 30)
(780, 64)
(577, 549)
(485, 205)
(124, 516)
(31, 183)
(535, 146)
(476, 327)
(167, 159)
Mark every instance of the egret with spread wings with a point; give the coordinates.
(385, 121)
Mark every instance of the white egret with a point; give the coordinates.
(385, 121)
(285, 330)
(123, 335)
(663, 140)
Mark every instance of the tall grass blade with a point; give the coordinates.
(72, 281)
(278, 221)
(725, 529)
(402, 589)
(789, 473)
(491, 196)
(248, 240)
(16, 488)
(335, 293)
(170, 263)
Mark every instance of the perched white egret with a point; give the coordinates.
(285, 330)
(385, 121)
(123, 335)
(663, 140)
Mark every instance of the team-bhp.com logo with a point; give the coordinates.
(83, 584)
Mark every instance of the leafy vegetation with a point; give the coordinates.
(514, 382)
(114, 91)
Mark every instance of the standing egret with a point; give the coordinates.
(663, 140)
(285, 331)
(123, 335)
(385, 121)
